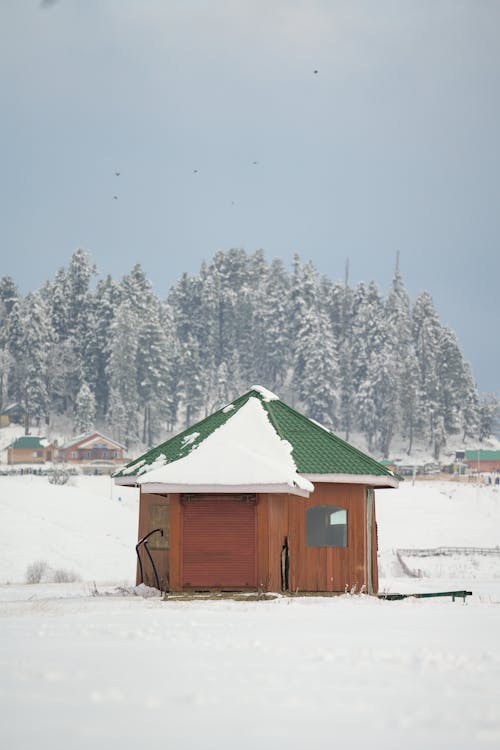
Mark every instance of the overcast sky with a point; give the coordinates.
(394, 144)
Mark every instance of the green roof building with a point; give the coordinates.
(258, 496)
(30, 449)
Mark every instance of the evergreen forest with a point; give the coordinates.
(112, 354)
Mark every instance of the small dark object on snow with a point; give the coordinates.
(428, 595)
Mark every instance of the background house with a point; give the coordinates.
(31, 449)
(257, 496)
(482, 460)
(93, 446)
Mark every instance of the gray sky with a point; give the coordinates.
(393, 144)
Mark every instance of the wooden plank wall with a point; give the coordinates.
(160, 556)
(278, 517)
(319, 568)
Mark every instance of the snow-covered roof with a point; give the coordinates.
(244, 453)
(259, 444)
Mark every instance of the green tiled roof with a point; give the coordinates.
(482, 455)
(29, 442)
(315, 450)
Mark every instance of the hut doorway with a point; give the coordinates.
(218, 542)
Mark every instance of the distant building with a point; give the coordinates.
(91, 447)
(482, 460)
(12, 414)
(31, 449)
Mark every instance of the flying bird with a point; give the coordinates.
(47, 3)
(255, 162)
(315, 72)
(117, 174)
(115, 197)
(195, 171)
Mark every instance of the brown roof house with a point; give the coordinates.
(30, 449)
(91, 447)
(257, 497)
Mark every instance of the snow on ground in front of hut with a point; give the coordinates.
(97, 665)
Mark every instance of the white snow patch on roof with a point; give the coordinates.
(189, 439)
(136, 465)
(159, 461)
(44, 442)
(267, 395)
(244, 451)
(227, 408)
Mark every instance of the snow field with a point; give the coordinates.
(81, 527)
(117, 671)
(124, 673)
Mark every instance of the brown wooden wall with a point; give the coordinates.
(25, 455)
(319, 568)
(278, 517)
(150, 517)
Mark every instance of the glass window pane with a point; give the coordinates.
(326, 526)
(338, 517)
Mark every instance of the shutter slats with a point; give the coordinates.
(219, 543)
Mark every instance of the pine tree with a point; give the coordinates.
(34, 360)
(489, 410)
(426, 335)
(85, 410)
(273, 353)
(152, 367)
(123, 400)
(398, 350)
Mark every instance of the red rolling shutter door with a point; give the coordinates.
(218, 538)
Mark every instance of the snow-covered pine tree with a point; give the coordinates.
(273, 354)
(368, 338)
(171, 395)
(85, 410)
(315, 366)
(339, 304)
(398, 349)
(152, 367)
(9, 297)
(123, 406)
(34, 359)
(489, 410)
(105, 302)
(426, 336)
(192, 381)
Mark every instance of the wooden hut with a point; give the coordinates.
(257, 496)
(30, 449)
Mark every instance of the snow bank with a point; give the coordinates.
(90, 529)
(128, 673)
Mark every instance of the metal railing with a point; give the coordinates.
(442, 551)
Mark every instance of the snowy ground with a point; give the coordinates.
(121, 671)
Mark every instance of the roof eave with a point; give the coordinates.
(164, 488)
(372, 480)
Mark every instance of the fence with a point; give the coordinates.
(437, 551)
